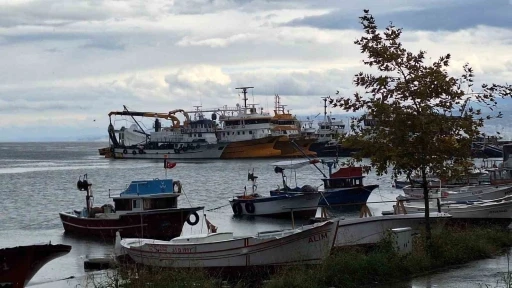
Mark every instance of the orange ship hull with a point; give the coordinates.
(256, 148)
(287, 148)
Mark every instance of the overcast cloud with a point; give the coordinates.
(66, 64)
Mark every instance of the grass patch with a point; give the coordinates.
(348, 267)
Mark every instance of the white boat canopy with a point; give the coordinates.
(294, 164)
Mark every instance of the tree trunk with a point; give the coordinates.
(426, 198)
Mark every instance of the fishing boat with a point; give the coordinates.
(287, 125)
(304, 205)
(305, 245)
(498, 211)
(342, 188)
(193, 139)
(371, 230)
(147, 208)
(247, 132)
(19, 264)
(327, 137)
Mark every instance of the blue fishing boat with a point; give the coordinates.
(301, 204)
(343, 187)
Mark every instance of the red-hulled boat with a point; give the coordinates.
(19, 264)
(146, 209)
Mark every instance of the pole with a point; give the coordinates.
(293, 220)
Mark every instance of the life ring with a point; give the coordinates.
(134, 152)
(249, 207)
(184, 148)
(178, 185)
(125, 151)
(141, 151)
(196, 219)
(198, 146)
(237, 208)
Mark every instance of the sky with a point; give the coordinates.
(65, 64)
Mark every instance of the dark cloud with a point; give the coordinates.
(449, 16)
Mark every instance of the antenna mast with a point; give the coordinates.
(244, 90)
(325, 108)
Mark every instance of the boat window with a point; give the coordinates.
(200, 135)
(148, 204)
(243, 132)
(122, 204)
(250, 131)
(135, 204)
(284, 132)
(238, 133)
(163, 203)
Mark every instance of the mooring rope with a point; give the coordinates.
(210, 210)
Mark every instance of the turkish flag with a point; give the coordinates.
(169, 165)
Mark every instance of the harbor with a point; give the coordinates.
(257, 144)
(220, 182)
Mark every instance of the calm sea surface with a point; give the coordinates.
(38, 180)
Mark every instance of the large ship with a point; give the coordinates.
(245, 132)
(241, 132)
(194, 139)
(286, 125)
(328, 136)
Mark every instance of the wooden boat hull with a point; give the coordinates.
(339, 196)
(479, 192)
(256, 148)
(488, 211)
(162, 224)
(308, 246)
(304, 205)
(288, 149)
(19, 264)
(371, 230)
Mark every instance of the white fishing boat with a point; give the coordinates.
(497, 210)
(371, 230)
(194, 139)
(304, 205)
(306, 245)
(463, 193)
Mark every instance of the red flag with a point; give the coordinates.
(169, 165)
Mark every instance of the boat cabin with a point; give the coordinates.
(343, 182)
(148, 195)
(344, 178)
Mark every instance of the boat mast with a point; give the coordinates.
(325, 108)
(244, 90)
